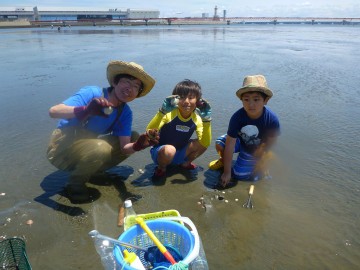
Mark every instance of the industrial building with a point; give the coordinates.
(27, 16)
(48, 14)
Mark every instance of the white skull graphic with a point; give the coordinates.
(249, 134)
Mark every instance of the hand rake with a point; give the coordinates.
(248, 203)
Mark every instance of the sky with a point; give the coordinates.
(195, 8)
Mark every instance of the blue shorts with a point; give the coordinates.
(179, 158)
(245, 163)
(222, 139)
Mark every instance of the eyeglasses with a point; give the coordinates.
(134, 85)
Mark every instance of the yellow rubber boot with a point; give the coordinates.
(216, 164)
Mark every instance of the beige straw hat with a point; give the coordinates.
(254, 83)
(119, 67)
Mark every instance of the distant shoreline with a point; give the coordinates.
(28, 24)
(15, 24)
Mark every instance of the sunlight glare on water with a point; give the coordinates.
(305, 217)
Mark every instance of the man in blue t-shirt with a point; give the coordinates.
(94, 133)
(252, 131)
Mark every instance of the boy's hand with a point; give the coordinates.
(225, 179)
(169, 104)
(262, 163)
(260, 151)
(95, 107)
(153, 135)
(149, 138)
(204, 109)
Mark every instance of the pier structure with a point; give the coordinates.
(293, 20)
(268, 20)
(41, 16)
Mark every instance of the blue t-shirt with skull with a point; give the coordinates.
(252, 132)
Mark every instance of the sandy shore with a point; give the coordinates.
(18, 23)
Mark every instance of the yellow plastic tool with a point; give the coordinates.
(156, 241)
(133, 260)
(130, 221)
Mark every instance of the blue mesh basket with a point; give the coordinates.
(170, 234)
(13, 254)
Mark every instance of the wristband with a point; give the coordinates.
(137, 147)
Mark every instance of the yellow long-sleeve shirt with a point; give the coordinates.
(176, 130)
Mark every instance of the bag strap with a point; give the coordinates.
(119, 111)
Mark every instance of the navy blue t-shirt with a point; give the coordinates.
(252, 132)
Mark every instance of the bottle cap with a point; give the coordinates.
(133, 260)
(128, 203)
(129, 257)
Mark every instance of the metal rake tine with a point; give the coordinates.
(250, 205)
(246, 203)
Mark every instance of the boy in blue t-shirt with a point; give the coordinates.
(252, 131)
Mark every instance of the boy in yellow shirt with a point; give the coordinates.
(181, 114)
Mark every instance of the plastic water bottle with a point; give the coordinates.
(129, 214)
(200, 262)
(105, 250)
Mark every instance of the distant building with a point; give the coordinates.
(205, 15)
(142, 14)
(73, 14)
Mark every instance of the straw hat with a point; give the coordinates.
(254, 83)
(119, 67)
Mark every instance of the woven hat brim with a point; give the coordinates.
(247, 89)
(118, 67)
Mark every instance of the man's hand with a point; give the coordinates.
(95, 107)
(204, 110)
(149, 138)
(169, 104)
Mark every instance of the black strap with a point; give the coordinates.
(119, 111)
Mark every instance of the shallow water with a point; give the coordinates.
(305, 217)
